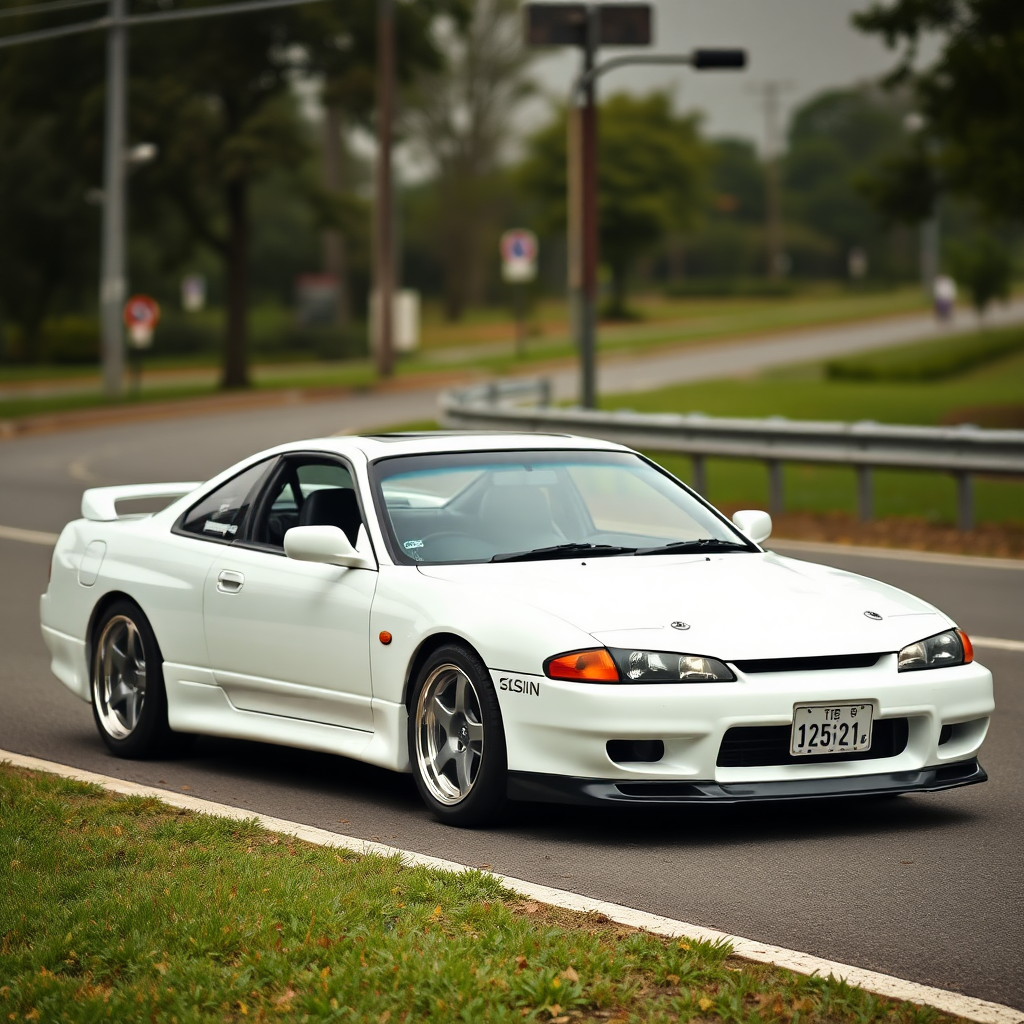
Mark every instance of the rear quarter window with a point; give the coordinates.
(220, 515)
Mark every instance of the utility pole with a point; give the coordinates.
(583, 220)
(335, 254)
(384, 259)
(769, 93)
(112, 272)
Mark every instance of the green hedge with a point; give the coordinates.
(70, 340)
(930, 360)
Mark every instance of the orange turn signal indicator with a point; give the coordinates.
(384, 637)
(594, 666)
(968, 646)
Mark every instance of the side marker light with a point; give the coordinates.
(968, 646)
(384, 637)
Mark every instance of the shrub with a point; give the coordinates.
(931, 360)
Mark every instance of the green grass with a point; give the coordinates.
(936, 360)
(125, 909)
(666, 322)
(805, 393)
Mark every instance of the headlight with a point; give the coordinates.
(667, 667)
(622, 665)
(953, 647)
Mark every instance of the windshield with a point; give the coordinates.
(483, 506)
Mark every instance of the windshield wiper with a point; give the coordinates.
(704, 544)
(570, 550)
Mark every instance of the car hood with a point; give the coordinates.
(734, 606)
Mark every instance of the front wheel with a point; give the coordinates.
(457, 740)
(129, 703)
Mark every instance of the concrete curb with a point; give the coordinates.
(979, 1010)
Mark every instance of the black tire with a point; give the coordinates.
(475, 749)
(129, 707)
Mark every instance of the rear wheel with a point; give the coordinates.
(457, 740)
(129, 702)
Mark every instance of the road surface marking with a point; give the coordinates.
(898, 554)
(996, 644)
(979, 1010)
(28, 536)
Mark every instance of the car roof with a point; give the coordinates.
(383, 445)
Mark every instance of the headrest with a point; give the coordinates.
(335, 506)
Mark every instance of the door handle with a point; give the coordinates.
(229, 581)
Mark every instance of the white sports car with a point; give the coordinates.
(507, 616)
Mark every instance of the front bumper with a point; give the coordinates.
(559, 729)
(567, 790)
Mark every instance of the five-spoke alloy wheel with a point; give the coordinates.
(120, 677)
(456, 738)
(128, 699)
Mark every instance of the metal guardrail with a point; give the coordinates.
(963, 451)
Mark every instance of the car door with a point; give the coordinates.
(286, 637)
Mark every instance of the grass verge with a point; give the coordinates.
(125, 909)
(804, 392)
(481, 343)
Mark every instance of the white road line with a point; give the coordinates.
(979, 1010)
(996, 644)
(897, 554)
(28, 536)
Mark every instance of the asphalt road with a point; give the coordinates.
(927, 887)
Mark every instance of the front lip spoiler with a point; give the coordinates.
(565, 789)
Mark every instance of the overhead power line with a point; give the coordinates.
(60, 5)
(148, 19)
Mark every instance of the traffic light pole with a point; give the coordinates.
(112, 265)
(582, 182)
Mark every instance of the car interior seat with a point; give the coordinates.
(335, 506)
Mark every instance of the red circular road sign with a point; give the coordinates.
(141, 311)
(518, 245)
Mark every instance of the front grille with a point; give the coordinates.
(821, 664)
(756, 746)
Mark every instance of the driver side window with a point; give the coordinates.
(308, 492)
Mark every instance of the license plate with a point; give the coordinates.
(830, 729)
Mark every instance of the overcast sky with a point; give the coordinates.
(808, 43)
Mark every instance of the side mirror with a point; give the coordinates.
(329, 545)
(754, 524)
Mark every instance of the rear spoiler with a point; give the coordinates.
(98, 503)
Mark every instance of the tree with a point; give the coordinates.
(216, 95)
(834, 139)
(460, 118)
(971, 98)
(342, 49)
(50, 150)
(653, 170)
(984, 266)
